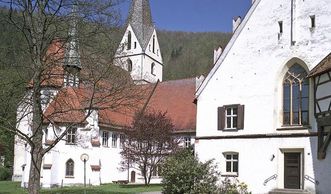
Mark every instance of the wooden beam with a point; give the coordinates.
(326, 142)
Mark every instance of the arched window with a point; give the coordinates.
(296, 96)
(129, 40)
(129, 65)
(70, 167)
(154, 44)
(153, 69)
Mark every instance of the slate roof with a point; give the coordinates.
(140, 19)
(322, 67)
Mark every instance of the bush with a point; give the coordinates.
(183, 173)
(4, 174)
(233, 187)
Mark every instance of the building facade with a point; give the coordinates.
(263, 130)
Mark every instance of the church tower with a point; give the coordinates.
(72, 64)
(139, 51)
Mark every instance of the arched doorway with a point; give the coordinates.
(133, 177)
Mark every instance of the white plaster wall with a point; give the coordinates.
(255, 164)
(250, 72)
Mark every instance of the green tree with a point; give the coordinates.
(184, 173)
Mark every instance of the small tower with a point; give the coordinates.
(72, 65)
(139, 51)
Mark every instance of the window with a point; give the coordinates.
(187, 141)
(71, 135)
(129, 65)
(71, 79)
(129, 41)
(153, 68)
(46, 97)
(231, 163)
(122, 140)
(114, 140)
(231, 117)
(135, 45)
(70, 168)
(280, 24)
(312, 21)
(105, 136)
(154, 44)
(157, 171)
(296, 96)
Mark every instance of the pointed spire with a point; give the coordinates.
(140, 18)
(72, 57)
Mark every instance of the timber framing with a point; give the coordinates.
(324, 136)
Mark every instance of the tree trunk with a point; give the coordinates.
(34, 177)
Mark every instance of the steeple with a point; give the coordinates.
(72, 57)
(140, 19)
(72, 63)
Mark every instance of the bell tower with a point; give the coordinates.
(139, 51)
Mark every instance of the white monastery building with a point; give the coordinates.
(263, 112)
(101, 135)
(263, 128)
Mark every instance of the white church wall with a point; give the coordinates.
(250, 72)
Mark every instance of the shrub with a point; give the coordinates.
(233, 187)
(183, 173)
(4, 173)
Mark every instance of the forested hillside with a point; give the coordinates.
(188, 54)
(185, 54)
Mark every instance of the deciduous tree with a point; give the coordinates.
(148, 142)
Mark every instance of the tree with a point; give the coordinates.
(48, 47)
(183, 173)
(148, 142)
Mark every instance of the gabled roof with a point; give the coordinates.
(227, 48)
(140, 19)
(322, 67)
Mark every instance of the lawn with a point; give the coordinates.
(7, 187)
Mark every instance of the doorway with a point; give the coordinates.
(133, 177)
(292, 170)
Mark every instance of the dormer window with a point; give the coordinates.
(129, 41)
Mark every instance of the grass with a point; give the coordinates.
(8, 187)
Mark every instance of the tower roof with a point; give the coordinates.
(140, 19)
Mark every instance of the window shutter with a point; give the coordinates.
(241, 116)
(221, 118)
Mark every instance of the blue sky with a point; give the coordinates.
(195, 15)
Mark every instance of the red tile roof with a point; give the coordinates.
(174, 97)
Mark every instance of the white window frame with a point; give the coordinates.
(232, 160)
(105, 138)
(231, 116)
(71, 135)
(187, 142)
(114, 140)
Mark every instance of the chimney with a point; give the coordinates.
(235, 23)
(217, 53)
